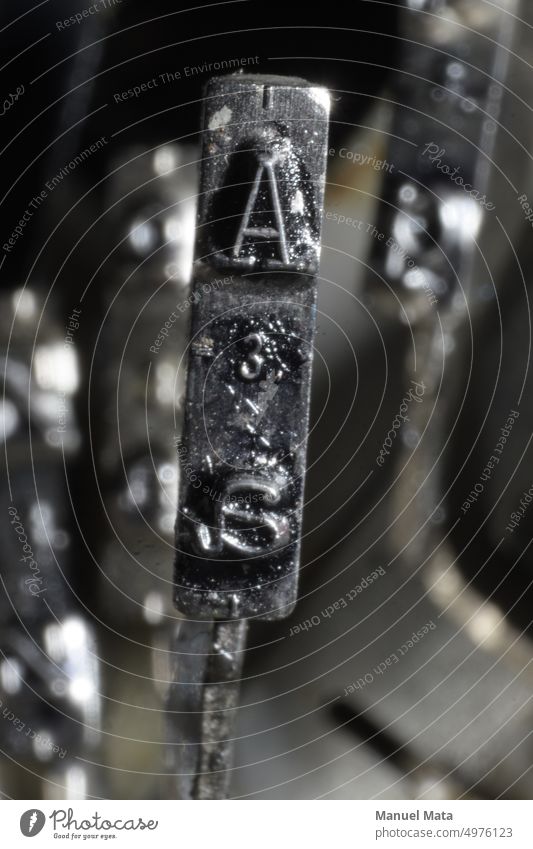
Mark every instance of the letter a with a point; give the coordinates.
(265, 164)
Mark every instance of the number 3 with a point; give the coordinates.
(251, 368)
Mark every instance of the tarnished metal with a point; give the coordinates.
(254, 294)
(242, 456)
(202, 705)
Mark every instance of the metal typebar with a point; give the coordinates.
(254, 294)
(202, 706)
(243, 450)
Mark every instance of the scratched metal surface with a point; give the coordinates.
(243, 451)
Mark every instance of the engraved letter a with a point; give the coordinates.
(264, 168)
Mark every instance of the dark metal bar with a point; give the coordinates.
(244, 444)
(243, 452)
(202, 705)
